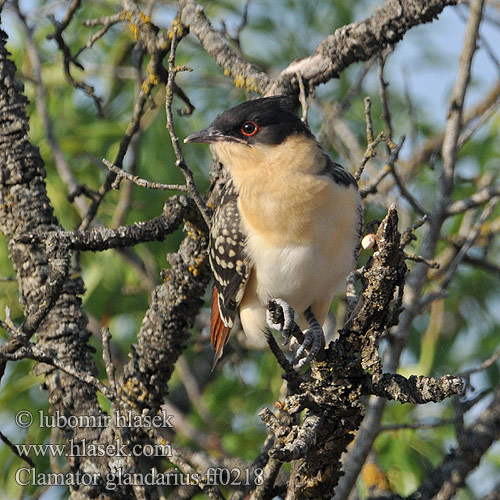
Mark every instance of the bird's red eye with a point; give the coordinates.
(249, 129)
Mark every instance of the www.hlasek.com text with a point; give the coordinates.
(83, 448)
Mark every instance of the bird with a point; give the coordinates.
(285, 228)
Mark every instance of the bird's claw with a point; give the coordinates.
(314, 341)
(285, 323)
(314, 337)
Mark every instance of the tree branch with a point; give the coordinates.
(415, 390)
(444, 481)
(25, 207)
(165, 327)
(352, 43)
(176, 209)
(359, 41)
(417, 278)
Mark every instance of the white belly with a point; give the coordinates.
(306, 274)
(302, 275)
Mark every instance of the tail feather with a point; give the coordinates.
(219, 332)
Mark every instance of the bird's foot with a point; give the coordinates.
(314, 341)
(285, 323)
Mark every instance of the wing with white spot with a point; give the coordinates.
(229, 264)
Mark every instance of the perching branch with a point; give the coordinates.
(316, 443)
(176, 210)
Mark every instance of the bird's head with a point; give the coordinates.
(266, 121)
(263, 135)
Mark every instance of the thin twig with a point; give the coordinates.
(400, 184)
(193, 390)
(471, 238)
(68, 16)
(483, 366)
(62, 165)
(107, 22)
(236, 37)
(31, 351)
(417, 258)
(68, 58)
(143, 182)
(477, 199)
(386, 114)
(470, 131)
(387, 169)
(408, 235)
(372, 143)
(303, 98)
(372, 187)
(483, 264)
(169, 95)
(417, 425)
(124, 203)
(14, 450)
(106, 356)
(368, 120)
(483, 43)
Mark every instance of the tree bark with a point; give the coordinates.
(61, 328)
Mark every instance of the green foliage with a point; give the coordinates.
(460, 333)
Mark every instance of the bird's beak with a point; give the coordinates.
(210, 135)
